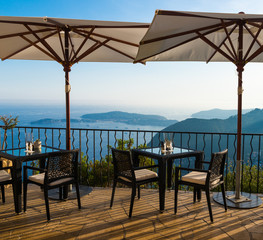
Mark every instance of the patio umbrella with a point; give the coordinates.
(208, 37)
(69, 41)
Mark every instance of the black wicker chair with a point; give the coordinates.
(5, 179)
(126, 173)
(204, 179)
(61, 169)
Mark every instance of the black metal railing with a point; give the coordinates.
(94, 144)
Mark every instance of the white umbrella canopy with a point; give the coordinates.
(206, 37)
(69, 41)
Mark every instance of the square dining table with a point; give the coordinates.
(18, 156)
(165, 164)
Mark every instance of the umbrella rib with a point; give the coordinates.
(116, 50)
(82, 44)
(229, 39)
(31, 44)
(258, 26)
(61, 44)
(255, 54)
(109, 38)
(213, 28)
(94, 47)
(111, 26)
(72, 47)
(27, 23)
(254, 39)
(182, 43)
(215, 47)
(46, 45)
(24, 33)
(112, 48)
(223, 43)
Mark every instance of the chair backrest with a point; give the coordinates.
(62, 164)
(217, 166)
(122, 163)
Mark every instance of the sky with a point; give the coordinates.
(172, 89)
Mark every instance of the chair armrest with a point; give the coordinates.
(35, 168)
(145, 167)
(4, 168)
(191, 169)
(205, 162)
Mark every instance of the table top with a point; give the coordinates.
(156, 152)
(22, 153)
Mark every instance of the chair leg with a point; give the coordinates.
(25, 194)
(78, 195)
(224, 195)
(139, 192)
(209, 204)
(175, 197)
(195, 192)
(46, 202)
(132, 200)
(60, 193)
(113, 192)
(3, 193)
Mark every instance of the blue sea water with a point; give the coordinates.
(30, 113)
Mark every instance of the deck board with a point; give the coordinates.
(97, 221)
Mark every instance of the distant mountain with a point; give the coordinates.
(116, 116)
(217, 113)
(129, 118)
(252, 122)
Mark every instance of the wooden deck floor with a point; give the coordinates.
(97, 221)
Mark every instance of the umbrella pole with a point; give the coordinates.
(67, 88)
(67, 91)
(239, 129)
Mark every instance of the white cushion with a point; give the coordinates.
(39, 178)
(142, 174)
(199, 178)
(4, 176)
(195, 177)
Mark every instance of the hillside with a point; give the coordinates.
(217, 113)
(129, 118)
(252, 122)
(117, 117)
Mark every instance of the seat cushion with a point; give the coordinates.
(195, 177)
(4, 176)
(144, 174)
(141, 175)
(39, 178)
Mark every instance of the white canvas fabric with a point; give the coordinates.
(4, 176)
(39, 178)
(174, 36)
(104, 41)
(142, 174)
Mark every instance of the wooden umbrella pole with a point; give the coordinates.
(239, 133)
(67, 89)
(240, 69)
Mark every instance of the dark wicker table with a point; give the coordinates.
(165, 162)
(18, 156)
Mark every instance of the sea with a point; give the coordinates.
(27, 114)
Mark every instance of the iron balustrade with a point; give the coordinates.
(94, 147)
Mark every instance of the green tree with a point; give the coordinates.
(9, 123)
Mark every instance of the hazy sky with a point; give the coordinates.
(169, 88)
